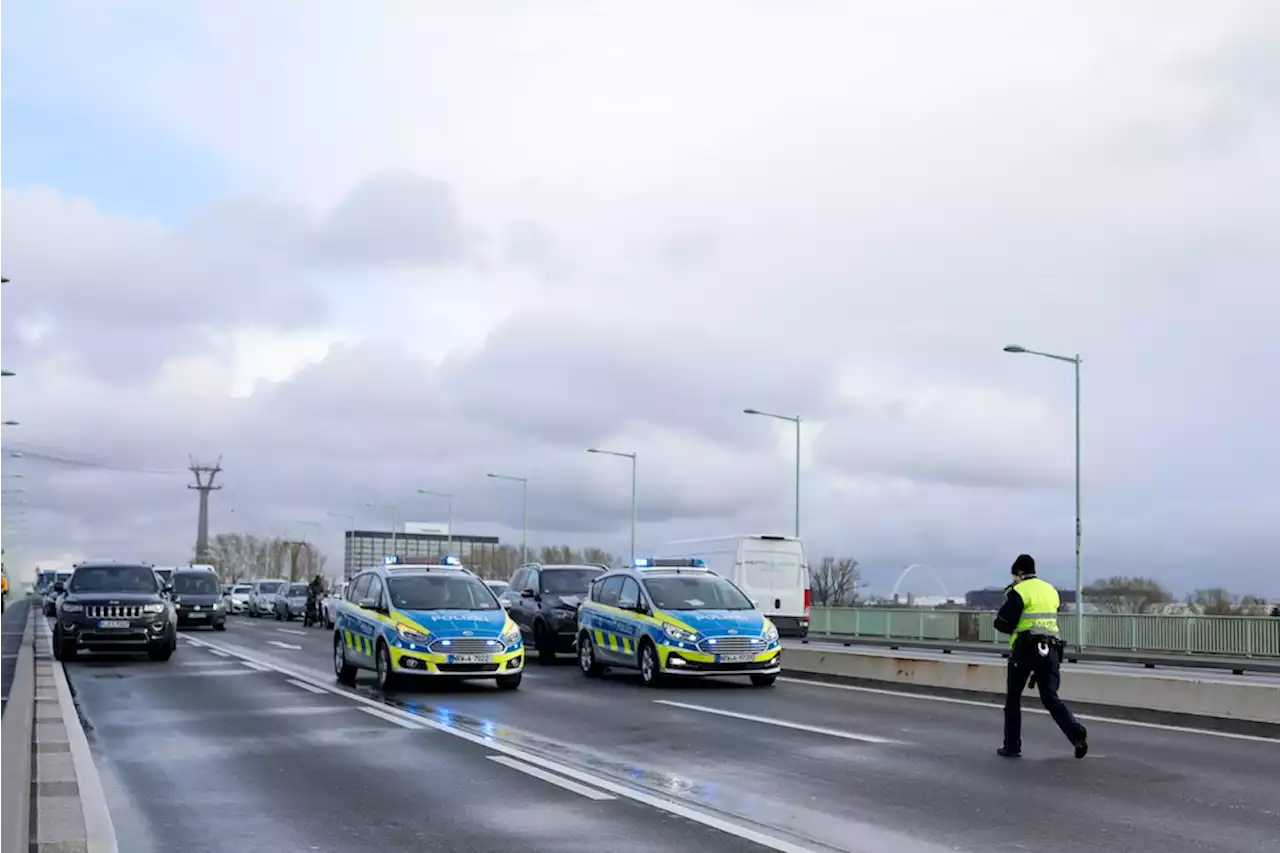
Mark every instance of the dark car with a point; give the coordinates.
(114, 607)
(544, 601)
(197, 599)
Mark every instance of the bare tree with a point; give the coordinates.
(835, 582)
(1127, 595)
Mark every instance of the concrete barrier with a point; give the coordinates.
(19, 718)
(1178, 697)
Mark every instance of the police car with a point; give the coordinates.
(675, 618)
(429, 619)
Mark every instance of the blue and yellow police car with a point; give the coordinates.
(432, 618)
(675, 618)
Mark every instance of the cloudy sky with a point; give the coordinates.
(361, 249)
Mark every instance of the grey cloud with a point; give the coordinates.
(394, 218)
(529, 244)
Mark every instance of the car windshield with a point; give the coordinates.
(241, 590)
(201, 584)
(114, 579)
(441, 592)
(298, 590)
(696, 592)
(269, 588)
(568, 581)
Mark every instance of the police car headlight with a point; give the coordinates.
(409, 635)
(770, 632)
(510, 636)
(678, 633)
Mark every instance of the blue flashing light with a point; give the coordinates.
(670, 563)
(390, 560)
(642, 562)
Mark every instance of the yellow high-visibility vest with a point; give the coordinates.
(1040, 602)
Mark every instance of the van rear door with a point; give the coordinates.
(774, 573)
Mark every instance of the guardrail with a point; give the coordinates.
(1227, 636)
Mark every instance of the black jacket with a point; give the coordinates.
(1010, 612)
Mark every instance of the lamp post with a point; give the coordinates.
(449, 519)
(524, 492)
(795, 419)
(1074, 361)
(632, 457)
(391, 508)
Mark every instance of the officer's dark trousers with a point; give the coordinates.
(1024, 661)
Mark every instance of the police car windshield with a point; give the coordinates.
(114, 579)
(568, 581)
(200, 584)
(441, 592)
(696, 592)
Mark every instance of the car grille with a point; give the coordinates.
(114, 611)
(466, 646)
(467, 667)
(732, 645)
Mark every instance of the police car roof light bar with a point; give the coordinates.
(670, 563)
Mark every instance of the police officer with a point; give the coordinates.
(1030, 615)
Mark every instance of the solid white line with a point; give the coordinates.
(307, 687)
(727, 826)
(291, 631)
(255, 666)
(218, 653)
(392, 718)
(538, 773)
(100, 832)
(284, 645)
(785, 724)
(209, 673)
(995, 703)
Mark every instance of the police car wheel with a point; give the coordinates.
(587, 656)
(649, 669)
(386, 675)
(345, 672)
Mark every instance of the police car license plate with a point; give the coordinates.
(470, 658)
(113, 623)
(737, 658)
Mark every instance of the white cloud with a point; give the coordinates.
(473, 240)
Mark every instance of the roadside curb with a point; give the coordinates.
(68, 807)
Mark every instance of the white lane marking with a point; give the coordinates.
(218, 653)
(392, 718)
(291, 631)
(655, 801)
(995, 703)
(773, 721)
(255, 666)
(305, 686)
(209, 673)
(99, 830)
(539, 773)
(284, 645)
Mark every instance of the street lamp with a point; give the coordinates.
(391, 508)
(632, 457)
(795, 419)
(1074, 361)
(9, 423)
(449, 520)
(524, 490)
(7, 373)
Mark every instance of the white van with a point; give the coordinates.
(771, 570)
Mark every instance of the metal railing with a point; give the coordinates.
(1231, 636)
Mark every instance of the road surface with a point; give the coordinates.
(210, 753)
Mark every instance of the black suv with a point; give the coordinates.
(114, 607)
(544, 600)
(197, 599)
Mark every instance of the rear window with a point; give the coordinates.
(195, 584)
(297, 589)
(241, 590)
(269, 588)
(138, 579)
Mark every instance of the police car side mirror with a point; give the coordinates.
(367, 604)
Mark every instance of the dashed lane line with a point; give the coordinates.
(288, 646)
(307, 687)
(255, 666)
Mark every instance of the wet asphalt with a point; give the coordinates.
(12, 624)
(204, 753)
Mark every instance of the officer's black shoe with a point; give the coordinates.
(1081, 743)
(1005, 752)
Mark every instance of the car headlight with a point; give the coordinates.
(154, 608)
(770, 632)
(72, 608)
(676, 633)
(511, 635)
(410, 635)
(217, 605)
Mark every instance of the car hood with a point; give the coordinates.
(457, 623)
(112, 598)
(746, 623)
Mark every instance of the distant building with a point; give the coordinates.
(364, 548)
